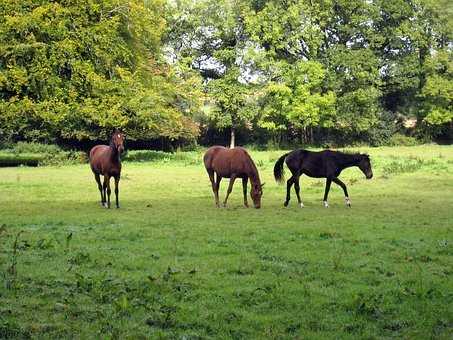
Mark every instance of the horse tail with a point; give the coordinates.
(278, 169)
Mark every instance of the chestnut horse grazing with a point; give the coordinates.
(105, 160)
(233, 163)
(324, 164)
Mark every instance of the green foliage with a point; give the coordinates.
(75, 70)
(338, 66)
(34, 154)
(402, 140)
(10, 159)
(438, 89)
(297, 99)
(232, 99)
(161, 69)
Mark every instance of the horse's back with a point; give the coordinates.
(305, 161)
(227, 161)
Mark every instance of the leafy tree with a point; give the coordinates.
(437, 92)
(212, 34)
(234, 103)
(298, 100)
(72, 69)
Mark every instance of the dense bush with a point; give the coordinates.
(34, 154)
(402, 140)
(160, 156)
(12, 159)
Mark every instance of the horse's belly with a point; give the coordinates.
(312, 174)
(223, 174)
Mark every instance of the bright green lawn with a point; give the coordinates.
(169, 264)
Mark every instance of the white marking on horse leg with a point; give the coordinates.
(348, 201)
(326, 205)
(302, 204)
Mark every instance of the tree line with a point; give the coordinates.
(185, 71)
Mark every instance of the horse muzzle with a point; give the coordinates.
(369, 176)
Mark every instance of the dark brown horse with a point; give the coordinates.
(233, 163)
(324, 164)
(105, 160)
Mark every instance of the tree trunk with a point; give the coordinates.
(233, 138)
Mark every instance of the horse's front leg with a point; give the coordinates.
(107, 190)
(244, 189)
(117, 181)
(98, 180)
(297, 189)
(345, 190)
(326, 192)
(230, 189)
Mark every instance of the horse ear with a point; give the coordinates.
(262, 185)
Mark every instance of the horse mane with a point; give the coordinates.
(354, 154)
(255, 176)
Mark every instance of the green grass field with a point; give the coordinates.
(168, 264)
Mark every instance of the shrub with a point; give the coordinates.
(160, 156)
(34, 154)
(10, 159)
(402, 140)
(35, 148)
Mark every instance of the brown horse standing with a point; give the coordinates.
(233, 163)
(105, 160)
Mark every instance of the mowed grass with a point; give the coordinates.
(168, 264)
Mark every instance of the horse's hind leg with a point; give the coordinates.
(107, 190)
(98, 180)
(345, 190)
(326, 192)
(214, 185)
(297, 189)
(289, 184)
(117, 181)
(230, 189)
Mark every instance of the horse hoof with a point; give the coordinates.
(326, 205)
(348, 201)
(302, 205)
(117, 207)
(285, 204)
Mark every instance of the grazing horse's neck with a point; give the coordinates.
(255, 179)
(253, 174)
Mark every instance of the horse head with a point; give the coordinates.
(117, 141)
(256, 193)
(365, 166)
